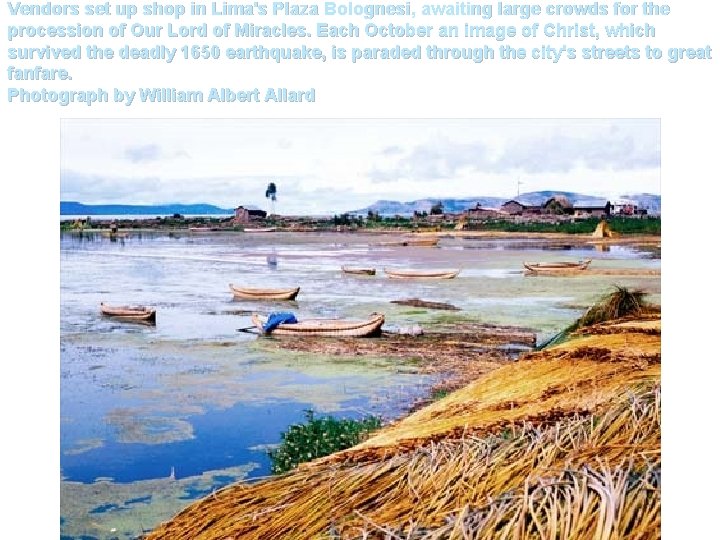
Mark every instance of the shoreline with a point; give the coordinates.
(650, 239)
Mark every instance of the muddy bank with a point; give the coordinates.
(417, 302)
(596, 272)
(453, 353)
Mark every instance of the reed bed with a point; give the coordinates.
(589, 476)
(564, 444)
(545, 388)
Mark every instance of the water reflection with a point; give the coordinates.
(272, 260)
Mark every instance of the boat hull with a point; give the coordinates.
(129, 314)
(358, 271)
(328, 328)
(413, 242)
(421, 274)
(246, 293)
(549, 268)
(421, 242)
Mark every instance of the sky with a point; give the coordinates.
(333, 166)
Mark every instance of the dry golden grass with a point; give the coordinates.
(564, 444)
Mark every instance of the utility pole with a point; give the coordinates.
(519, 182)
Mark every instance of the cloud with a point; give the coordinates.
(391, 150)
(555, 153)
(560, 153)
(430, 161)
(140, 154)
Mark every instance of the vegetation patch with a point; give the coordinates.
(319, 437)
(439, 393)
(586, 226)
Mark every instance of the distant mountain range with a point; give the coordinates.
(534, 198)
(387, 208)
(72, 208)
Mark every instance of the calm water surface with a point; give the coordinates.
(155, 416)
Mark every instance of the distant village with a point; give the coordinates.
(555, 210)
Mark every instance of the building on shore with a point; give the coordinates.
(244, 215)
(480, 213)
(516, 208)
(588, 209)
(626, 207)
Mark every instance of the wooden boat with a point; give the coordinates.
(204, 229)
(558, 266)
(249, 293)
(415, 242)
(260, 229)
(421, 242)
(326, 327)
(358, 271)
(129, 313)
(421, 274)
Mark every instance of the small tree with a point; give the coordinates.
(271, 193)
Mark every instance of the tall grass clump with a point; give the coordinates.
(622, 302)
(318, 437)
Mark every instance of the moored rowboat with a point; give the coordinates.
(417, 242)
(260, 229)
(421, 242)
(559, 266)
(421, 274)
(326, 327)
(128, 313)
(264, 294)
(358, 271)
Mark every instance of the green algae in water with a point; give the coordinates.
(106, 510)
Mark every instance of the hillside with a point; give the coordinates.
(72, 208)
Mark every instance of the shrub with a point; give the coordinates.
(318, 437)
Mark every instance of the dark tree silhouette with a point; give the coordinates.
(271, 193)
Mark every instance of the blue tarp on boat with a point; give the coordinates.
(277, 318)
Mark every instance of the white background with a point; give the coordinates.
(683, 95)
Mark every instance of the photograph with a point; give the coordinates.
(360, 328)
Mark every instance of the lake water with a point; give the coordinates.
(153, 417)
